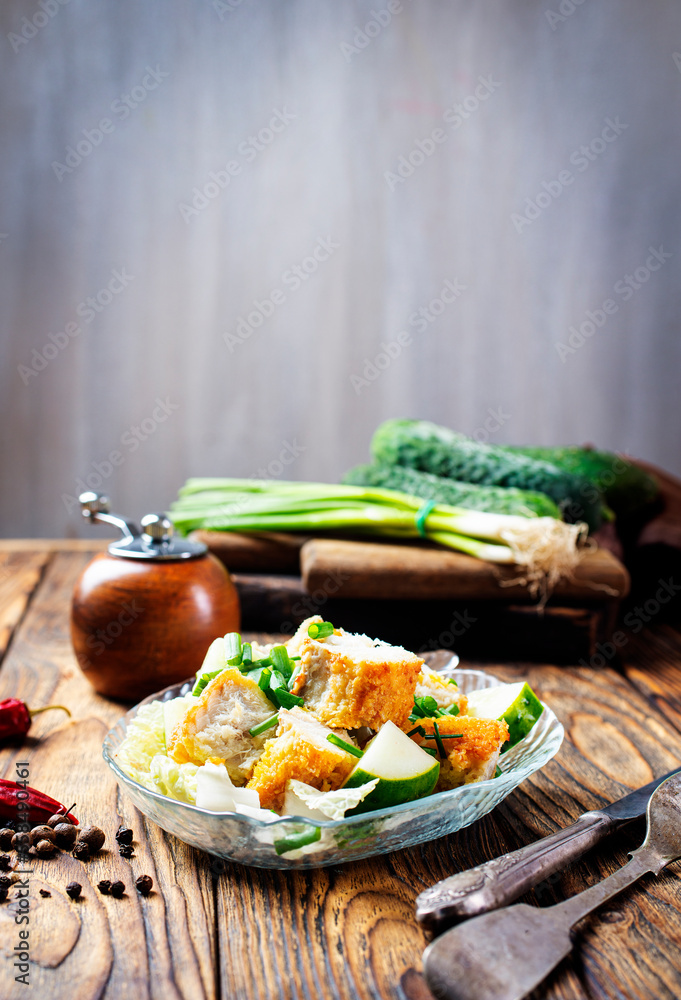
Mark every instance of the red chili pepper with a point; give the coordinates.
(15, 799)
(16, 716)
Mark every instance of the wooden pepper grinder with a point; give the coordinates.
(145, 612)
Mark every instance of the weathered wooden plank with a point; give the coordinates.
(343, 932)
(353, 926)
(651, 661)
(20, 574)
(162, 946)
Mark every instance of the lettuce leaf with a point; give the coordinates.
(145, 737)
(331, 805)
(177, 781)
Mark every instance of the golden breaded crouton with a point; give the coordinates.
(474, 756)
(353, 681)
(432, 684)
(301, 751)
(216, 728)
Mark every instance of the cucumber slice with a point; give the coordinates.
(215, 658)
(214, 662)
(405, 771)
(517, 704)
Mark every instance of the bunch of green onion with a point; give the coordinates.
(545, 547)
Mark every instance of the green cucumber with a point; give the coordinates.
(404, 769)
(516, 704)
(472, 496)
(428, 447)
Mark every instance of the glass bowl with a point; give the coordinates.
(249, 841)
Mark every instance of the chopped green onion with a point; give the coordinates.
(498, 772)
(438, 740)
(203, 680)
(294, 676)
(431, 750)
(320, 630)
(452, 710)
(286, 699)
(277, 680)
(417, 729)
(452, 681)
(296, 840)
(348, 747)
(262, 727)
(424, 708)
(246, 653)
(233, 649)
(279, 658)
(264, 679)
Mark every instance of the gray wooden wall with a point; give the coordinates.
(306, 119)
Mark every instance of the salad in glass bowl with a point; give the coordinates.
(329, 748)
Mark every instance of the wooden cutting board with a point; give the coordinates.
(410, 571)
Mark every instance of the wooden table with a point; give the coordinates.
(340, 932)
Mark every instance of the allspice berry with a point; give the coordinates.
(6, 838)
(5, 862)
(44, 848)
(81, 851)
(5, 881)
(93, 837)
(73, 889)
(65, 835)
(104, 886)
(21, 842)
(143, 884)
(124, 835)
(58, 818)
(117, 889)
(42, 832)
(3, 895)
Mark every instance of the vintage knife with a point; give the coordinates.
(501, 880)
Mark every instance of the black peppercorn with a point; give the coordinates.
(104, 886)
(5, 862)
(65, 835)
(45, 892)
(144, 884)
(73, 889)
(126, 850)
(42, 832)
(124, 835)
(93, 837)
(58, 818)
(44, 848)
(3, 895)
(6, 838)
(117, 889)
(81, 851)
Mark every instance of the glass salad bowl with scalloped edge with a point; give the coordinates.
(250, 841)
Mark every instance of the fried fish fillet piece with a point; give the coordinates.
(473, 756)
(300, 750)
(351, 681)
(432, 684)
(216, 728)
